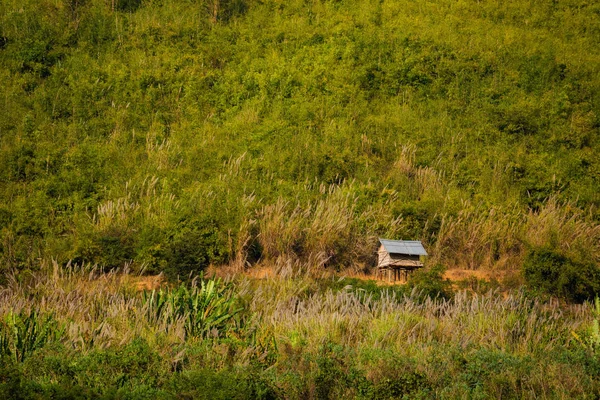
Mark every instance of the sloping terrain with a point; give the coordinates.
(182, 133)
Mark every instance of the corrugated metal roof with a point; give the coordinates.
(410, 247)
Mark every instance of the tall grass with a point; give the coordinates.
(565, 227)
(499, 238)
(106, 309)
(294, 332)
(515, 323)
(321, 233)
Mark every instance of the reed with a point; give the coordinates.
(292, 322)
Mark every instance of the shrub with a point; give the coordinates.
(431, 283)
(224, 384)
(12, 382)
(330, 375)
(110, 248)
(128, 367)
(404, 385)
(551, 272)
(127, 5)
(493, 373)
(194, 245)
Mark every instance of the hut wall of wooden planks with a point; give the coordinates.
(398, 258)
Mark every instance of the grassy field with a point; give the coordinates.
(79, 333)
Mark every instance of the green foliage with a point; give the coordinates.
(330, 375)
(111, 248)
(208, 309)
(171, 135)
(426, 284)
(193, 245)
(594, 339)
(13, 383)
(591, 337)
(485, 372)
(430, 283)
(23, 333)
(225, 384)
(125, 369)
(404, 385)
(552, 272)
(127, 5)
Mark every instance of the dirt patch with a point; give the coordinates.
(150, 282)
(459, 277)
(466, 274)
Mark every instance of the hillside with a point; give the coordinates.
(178, 134)
(258, 148)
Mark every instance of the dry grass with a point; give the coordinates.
(496, 240)
(287, 318)
(511, 322)
(508, 279)
(106, 309)
(149, 282)
(566, 227)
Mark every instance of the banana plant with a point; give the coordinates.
(23, 333)
(207, 309)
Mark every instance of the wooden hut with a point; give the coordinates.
(397, 258)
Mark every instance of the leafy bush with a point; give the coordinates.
(110, 248)
(492, 373)
(192, 246)
(431, 283)
(13, 383)
(128, 366)
(406, 384)
(551, 272)
(223, 384)
(330, 377)
(127, 5)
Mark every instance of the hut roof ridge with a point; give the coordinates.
(410, 247)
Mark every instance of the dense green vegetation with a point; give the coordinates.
(176, 134)
(93, 336)
(171, 135)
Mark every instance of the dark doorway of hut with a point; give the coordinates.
(399, 258)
